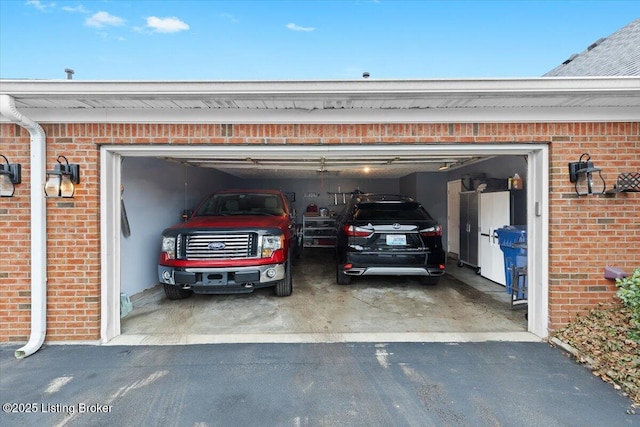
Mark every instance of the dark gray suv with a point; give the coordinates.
(388, 235)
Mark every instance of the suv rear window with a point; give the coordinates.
(390, 210)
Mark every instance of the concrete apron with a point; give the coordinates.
(462, 307)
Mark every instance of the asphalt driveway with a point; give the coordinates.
(363, 384)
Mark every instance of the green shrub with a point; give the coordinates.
(629, 293)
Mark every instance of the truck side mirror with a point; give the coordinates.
(186, 214)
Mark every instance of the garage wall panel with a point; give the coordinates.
(317, 191)
(431, 191)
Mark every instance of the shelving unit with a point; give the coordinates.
(318, 231)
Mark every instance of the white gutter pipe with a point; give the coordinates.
(38, 226)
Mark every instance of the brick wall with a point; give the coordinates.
(586, 233)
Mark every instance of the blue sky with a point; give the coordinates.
(298, 40)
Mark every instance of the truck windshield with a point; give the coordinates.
(242, 204)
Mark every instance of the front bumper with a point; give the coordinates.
(222, 279)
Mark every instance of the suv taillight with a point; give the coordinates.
(431, 231)
(352, 231)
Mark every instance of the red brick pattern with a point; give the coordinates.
(586, 233)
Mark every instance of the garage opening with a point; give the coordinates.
(146, 189)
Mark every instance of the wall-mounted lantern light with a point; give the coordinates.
(10, 174)
(582, 173)
(61, 180)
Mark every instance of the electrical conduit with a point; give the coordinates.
(38, 226)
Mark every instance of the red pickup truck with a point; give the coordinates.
(234, 242)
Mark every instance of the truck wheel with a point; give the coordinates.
(174, 292)
(297, 253)
(341, 278)
(284, 288)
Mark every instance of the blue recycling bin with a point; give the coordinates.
(513, 243)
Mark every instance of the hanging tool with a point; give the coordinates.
(124, 220)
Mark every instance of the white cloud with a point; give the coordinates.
(296, 27)
(39, 5)
(78, 9)
(103, 19)
(229, 17)
(166, 25)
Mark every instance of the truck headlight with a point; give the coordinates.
(270, 244)
(169, 246)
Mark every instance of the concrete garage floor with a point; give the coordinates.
(462, 307)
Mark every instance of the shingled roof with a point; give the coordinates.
(616, 55)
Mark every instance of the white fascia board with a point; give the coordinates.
(333, 116)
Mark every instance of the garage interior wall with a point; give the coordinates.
(316, 191)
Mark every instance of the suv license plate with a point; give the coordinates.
(396, 240)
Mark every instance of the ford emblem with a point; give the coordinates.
(214, 246)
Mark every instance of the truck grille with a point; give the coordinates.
(219, 246)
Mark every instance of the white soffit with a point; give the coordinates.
(361, 101)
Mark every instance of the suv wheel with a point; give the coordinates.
(341, 278)
(175, 292)
(429, 280)
(284, 288)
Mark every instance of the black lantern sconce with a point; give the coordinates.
(61, 180)
(582, 173)
(10, 174)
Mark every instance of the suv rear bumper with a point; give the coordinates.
(393, 271)
(210, 280)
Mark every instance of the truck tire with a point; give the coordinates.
(284, 288)
(174, 292)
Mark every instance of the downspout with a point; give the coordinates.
(38, 226)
